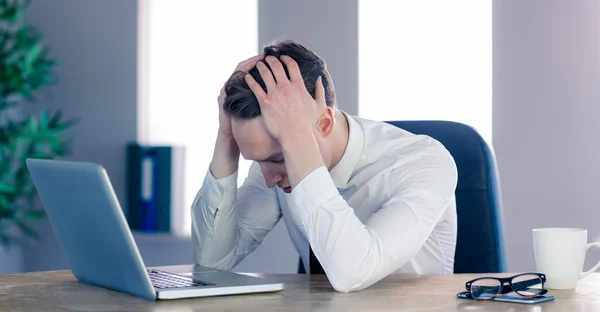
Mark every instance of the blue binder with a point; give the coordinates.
(148, 191)
(155, 188)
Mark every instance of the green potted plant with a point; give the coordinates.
(25, 68)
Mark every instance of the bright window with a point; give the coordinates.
(188, 49)
(426, 59)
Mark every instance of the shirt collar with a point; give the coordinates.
(341, 173)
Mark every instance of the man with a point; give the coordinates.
(361, 199)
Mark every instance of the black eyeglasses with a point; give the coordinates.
(525, 284)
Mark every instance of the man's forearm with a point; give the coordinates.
(302, 156)
(229, 222)
(226, 157)
(214, 216)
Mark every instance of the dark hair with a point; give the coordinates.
(241, 103)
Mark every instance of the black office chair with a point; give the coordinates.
(479, 247)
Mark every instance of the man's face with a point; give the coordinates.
(256, 144)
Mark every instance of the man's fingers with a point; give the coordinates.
(256, 88)
(221, 94)
(267, 76)
(277, 69)
(320, 92)
(292, 68)
(250, 63)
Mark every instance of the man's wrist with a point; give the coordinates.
(293, 143)
(225, 157)
(224, 135)
(302, 156)
(293, 136)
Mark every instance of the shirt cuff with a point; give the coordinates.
(313, 191)
(217, 192)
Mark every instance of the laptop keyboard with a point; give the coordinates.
(164, 280)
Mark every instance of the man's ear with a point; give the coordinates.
(326, 122)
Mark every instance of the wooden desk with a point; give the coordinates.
(59, 291)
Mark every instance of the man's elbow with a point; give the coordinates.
(347, 282)
(342, 286)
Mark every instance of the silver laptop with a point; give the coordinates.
(95, 237)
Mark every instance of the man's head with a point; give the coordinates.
(241, 103)
(248, 128)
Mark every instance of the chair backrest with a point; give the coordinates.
(479, 247)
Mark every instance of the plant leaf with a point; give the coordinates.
(24, 68)
(34, 52)
(36, 214)
(7, 189)
(33, 126)
(44, 117)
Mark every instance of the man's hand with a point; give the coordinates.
(287, 108)
(224, 120)
(226, 155)
(290, 114)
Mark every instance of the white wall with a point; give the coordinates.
(546, 118)
(439, 65)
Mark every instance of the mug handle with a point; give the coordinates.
(584, 274)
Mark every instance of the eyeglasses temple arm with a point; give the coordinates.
(521, 285)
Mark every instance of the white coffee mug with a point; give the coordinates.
(560, 253)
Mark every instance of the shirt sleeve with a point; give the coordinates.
(356, 255)
(229, 223)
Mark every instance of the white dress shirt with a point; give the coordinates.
(387, 207)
